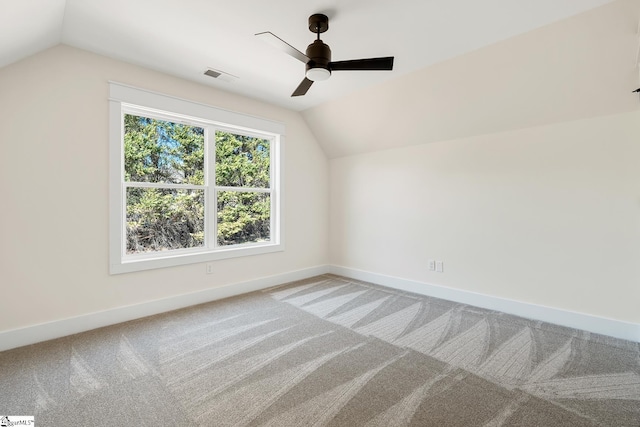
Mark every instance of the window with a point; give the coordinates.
(189, 182)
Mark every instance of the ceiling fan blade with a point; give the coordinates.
(277, 42)
(303, 87)
(383, 64)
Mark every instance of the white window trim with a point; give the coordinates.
(124, 96)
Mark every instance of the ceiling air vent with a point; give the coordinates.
(212, 73)
(220, 75)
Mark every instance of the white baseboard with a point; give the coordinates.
(60, 328)
(56, 329)
(599, 325)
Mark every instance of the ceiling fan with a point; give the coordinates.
(318, 56)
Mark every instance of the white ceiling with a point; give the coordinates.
(184, 38)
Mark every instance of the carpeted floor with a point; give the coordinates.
(326, 351)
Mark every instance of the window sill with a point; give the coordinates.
(140, 264)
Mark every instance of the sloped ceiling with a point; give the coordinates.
(450, 56)
(581, 67)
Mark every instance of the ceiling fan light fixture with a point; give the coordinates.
(318, 74)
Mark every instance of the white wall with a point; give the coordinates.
(546, 215)
(518, 165)
(54, 208)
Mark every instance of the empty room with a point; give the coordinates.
(320, 213)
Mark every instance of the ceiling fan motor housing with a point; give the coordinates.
(320, 55)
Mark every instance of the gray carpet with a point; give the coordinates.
(326, 351)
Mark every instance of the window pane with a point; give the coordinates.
(241, 161)
(162, 152)
(164, 219)
(243, 217)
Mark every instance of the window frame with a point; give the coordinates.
(124, 99)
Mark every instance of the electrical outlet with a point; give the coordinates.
(209, 268)
(439, 266)
(432, 265)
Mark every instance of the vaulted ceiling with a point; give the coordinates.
(187, 37)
